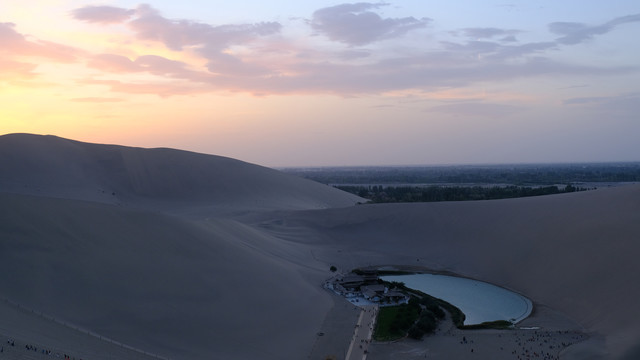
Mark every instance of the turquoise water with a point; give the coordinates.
(479, 301)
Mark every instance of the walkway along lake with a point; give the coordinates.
(479, 301)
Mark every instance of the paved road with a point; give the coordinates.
(362, 333)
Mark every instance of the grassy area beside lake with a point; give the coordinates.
(394, 322)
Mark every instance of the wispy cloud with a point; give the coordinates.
(476, 109)
(355, 24)
(586, 100)
(20, 56)
(258, 58)
(591, 100)
(575, 33)
(615, 113)
(16, 44)
(209, 41)
(13, 70)
(96, 100)
(176, 34)
(159, 88)
(152, 64)
(507, 35)
(573, 87)
(102, 14)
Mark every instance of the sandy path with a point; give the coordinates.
(359, 347)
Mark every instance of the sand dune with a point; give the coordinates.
(86, 238)
(173, 179)
(576, 253)
(96, 236)
(159, 283)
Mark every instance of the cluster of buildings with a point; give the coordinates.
(366, 288)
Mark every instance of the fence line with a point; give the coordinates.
(82, 330)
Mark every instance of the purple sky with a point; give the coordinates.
(290, 83)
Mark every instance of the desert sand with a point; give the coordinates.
(530, 340)
(191, 256)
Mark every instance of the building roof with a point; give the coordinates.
(377, 288)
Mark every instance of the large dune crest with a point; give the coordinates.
(57, 167)
(96, 236)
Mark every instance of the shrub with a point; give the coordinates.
(436, 310)
(415, 333)
(427, 322)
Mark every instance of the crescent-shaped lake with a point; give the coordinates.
(479, 301)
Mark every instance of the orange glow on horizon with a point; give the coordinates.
(143, 75)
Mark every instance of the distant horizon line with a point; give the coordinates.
(488, 164)
(285, 167)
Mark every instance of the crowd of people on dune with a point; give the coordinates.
(544, 345)
(541, 340)
(11, 344)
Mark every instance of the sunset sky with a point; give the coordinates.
(321, 83)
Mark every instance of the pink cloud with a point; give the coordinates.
(159, 65)
(249, 58)
(427, 72)
(10, 70)
(16, 44)
(226, 64)
(208, 40)
(113, 63)
(148, 24)
(20, 55)
(152, 64)
(149, 88)
(176, 34)
(102, 14)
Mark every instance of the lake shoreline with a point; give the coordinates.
(480, 301)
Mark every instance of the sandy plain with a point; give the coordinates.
(191, 256)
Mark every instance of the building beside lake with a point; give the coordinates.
(366, 288)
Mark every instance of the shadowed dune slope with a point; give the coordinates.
(57, 167)
(577, 253)
(167, 285)
(89, 234)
